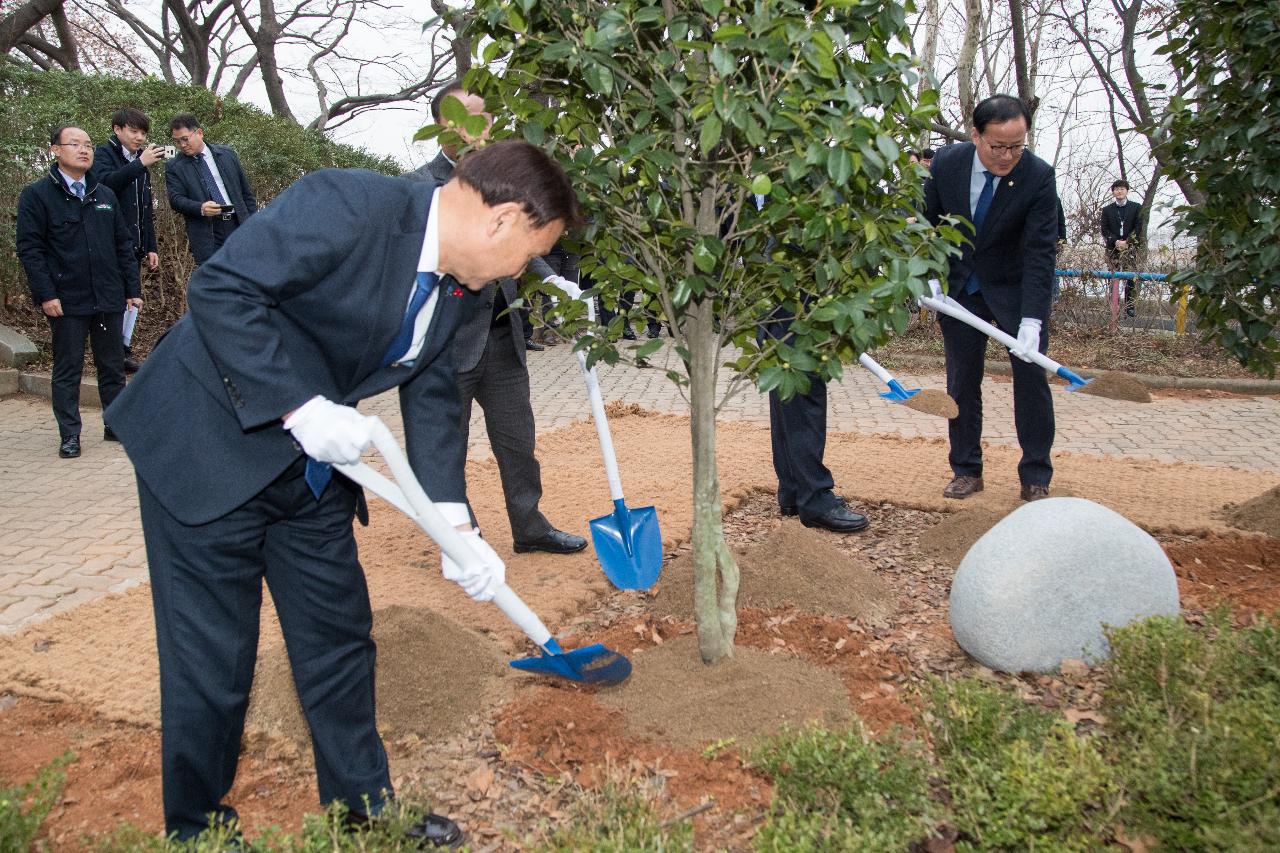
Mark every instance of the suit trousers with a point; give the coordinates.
(105, 334)
(798, 431)
(206, 588)
(500, 384)
(966, 350)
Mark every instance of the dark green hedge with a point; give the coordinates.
(275, 152)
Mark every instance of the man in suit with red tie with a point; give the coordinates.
(1005, 276)
(234, 421)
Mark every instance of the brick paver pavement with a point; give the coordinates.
(69, 529)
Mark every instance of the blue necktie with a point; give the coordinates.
(206, 178)
(979, 214)
(78, 188)
(319, 474)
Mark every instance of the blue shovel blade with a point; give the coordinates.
(629, 545)
(897, 393)
(594, 664)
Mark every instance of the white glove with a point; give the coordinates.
(329, 432)
(481, 579)
(570, 288)
(1028, 338)
(935, 292)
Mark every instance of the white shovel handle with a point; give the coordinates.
(947, 305)
(599, 418)
(874, 366)
(407, 495)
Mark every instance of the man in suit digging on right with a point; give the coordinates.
(1005, 276)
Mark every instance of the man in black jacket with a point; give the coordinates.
(121, 163)
(206, 184)
(1120, 223)
(1005, 276)
(75, 247)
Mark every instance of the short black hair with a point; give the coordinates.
(513, 170)
(55, 135)
(1120, 183)
(184, 121)
(454, 85)
(998, 109)
(130, 117)
(926, 154)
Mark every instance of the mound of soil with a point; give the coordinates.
(1118, 386)
(931, 401)
(950, 539)
(793, 565)
(1241, 571)
(1261, 513)
(433, 674)
(672, 696)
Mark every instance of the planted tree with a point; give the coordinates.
(740, 165)
(1223, 138)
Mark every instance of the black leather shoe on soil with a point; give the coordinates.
(962, 486)
(70, 447)
(436, 831)
(839, 519)
(553, 542)
(131, 365)
(1034, 492)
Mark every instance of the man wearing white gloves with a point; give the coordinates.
(1005, 276)
(489, 355)
(235, 420)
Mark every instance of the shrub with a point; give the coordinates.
(1194, 720)
(1019, 777)
(845, 791)
(24, 807)
(617, 820)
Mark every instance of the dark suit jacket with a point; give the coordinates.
(1120, 222)
(131, 182)
(295, 305)
(187, 193)
(468, 346)
(1013, 253)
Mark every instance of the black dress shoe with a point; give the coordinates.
(432, 831)
(108, 434)
(131, 365)
(70, 447)
(838, 519)
(531, 345)
(553, 542)
(628, 335)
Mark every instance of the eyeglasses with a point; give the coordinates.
(87, 146)
(183, 140)
(1013, 150)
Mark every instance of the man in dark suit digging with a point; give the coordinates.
(233, 424)
(1005, 276)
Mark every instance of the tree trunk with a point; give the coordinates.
(964, 64)
(929, 57)
(1020, 64)
(715, 573)
(16, 24)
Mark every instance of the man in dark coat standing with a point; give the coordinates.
(78, 255)
(1120, 223)
(489, 354)
(123, 163)
(235, 420)
(206, 184)
(1005, 276)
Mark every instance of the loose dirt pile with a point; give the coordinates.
(1118, 386)
(793, 565)
(432, 675)
(931, 401)
(950, 539)
(1261, 513)
(672, 696)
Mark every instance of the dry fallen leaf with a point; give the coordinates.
(1075, 715)
(479, 782)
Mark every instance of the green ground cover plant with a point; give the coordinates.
(24, 807)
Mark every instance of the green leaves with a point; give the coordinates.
(710, 135)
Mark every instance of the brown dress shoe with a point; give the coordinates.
(1034, 492)
(962, 486)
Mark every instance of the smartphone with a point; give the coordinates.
(168, 151)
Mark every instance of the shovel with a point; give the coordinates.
(947, 305)
(628, 542)
(896, 392)
(594, 664)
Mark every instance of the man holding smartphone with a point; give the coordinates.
(206, 184)
(122, 163)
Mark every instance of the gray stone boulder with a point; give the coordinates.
(1039, 586)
